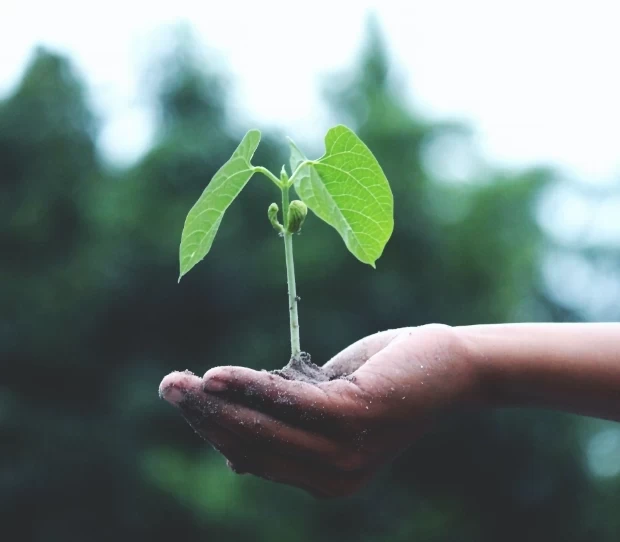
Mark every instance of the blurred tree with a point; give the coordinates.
(47, 155)
(73, 420)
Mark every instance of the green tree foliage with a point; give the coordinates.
(92, 317)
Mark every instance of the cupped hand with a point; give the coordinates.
(329, 438)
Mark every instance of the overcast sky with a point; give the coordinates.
(538, 81)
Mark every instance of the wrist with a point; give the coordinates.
(457, 376)
(480, 367)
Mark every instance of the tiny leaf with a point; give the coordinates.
(347, 189)
(204, 218)
(297, 212)
(272, 214)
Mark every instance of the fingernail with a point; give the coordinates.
(173, 395)
(215, 385)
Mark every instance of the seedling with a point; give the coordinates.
(346, 188)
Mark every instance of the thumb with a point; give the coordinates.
(354, 356)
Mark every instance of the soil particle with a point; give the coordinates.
(302, 369)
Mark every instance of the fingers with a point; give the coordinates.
(184, 390)
(321, 482)
(300, 403)
(263, 430)
(255, 443)
(177, 385)
(250, 457)
(341, 448)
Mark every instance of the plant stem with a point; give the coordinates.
(268, 174)
(298, 169)
(290, 277)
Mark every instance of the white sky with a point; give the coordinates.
(538, 80)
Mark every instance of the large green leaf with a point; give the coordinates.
(348, 189)
(204, 218)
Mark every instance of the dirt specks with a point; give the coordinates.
(302, 369)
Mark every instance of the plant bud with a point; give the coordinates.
(272, 213)
(297, 212)
(284, 175)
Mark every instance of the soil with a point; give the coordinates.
(302, 369)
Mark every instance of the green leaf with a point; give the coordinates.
(204, 218)
(347, 189)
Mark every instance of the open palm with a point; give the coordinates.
(327, 438)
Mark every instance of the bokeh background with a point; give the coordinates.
(95, 182)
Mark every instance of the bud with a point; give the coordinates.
(297, 212)
(272, 213)
(284, 175)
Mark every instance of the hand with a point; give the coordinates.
(330, 438)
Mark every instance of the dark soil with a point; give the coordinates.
(302, 369)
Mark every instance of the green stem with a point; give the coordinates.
(298, 169)
(268, 174)
(290, 277)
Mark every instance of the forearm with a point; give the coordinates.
(569, 367)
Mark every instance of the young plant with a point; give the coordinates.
(346, 188)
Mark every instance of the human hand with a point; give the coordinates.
(330, 438)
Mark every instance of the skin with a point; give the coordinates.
(330, 438)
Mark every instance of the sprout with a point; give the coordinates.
(346, 188)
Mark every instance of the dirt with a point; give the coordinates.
(302, 369)
(342, 366)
